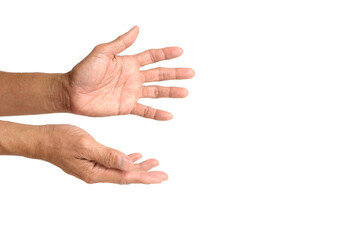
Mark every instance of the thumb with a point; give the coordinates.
(124, 41)
(112, 158)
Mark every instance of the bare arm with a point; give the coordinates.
(33, 93)
(18, 139)
(102, 84)
(76, 153)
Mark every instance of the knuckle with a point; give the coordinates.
(123, 43)
(109, 158)
(101, 47)
(169, 92)
(123, 180)
(156, 92)
(162, 55)
(152, 55)
(89, 178)
(162, 75)
(146, 111)
(84, 142)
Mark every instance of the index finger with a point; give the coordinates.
(156, 55)
(121, 177)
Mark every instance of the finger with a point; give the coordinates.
(135, 156)
(163, 92)
(149, 112)
(161, 74)
(124, 41)
(156, 55)
(112, 158)
(120, 177)
(146, 165)
(145, 177)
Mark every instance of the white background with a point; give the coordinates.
(266, 146)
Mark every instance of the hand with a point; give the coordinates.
(78, 154)
(104, 84)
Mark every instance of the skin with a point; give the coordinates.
(77, 153)
(102, 84)
(116, 85)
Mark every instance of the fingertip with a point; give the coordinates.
(163, 116)
(169, 117)
(177, 51)
(191, 73)
(184, 73)
(185, 93)
(154, 177)
(136, 28)
(154, 162)
(160, 176)
(180, 50)
(135, 156)
(173, 52)
(165, 177)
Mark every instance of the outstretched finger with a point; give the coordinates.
(161, 74)
(146, 165)
(135, 156)
(121, 177)
(163, 92)
(121, 43)
(145, 177)
(156, 55)
(149, 112)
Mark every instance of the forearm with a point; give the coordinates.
(20, 139)
(33, 93)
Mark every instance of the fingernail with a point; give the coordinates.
(181, 51)
(121, 161)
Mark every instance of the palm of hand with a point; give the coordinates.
(104, 84)
(93, 162)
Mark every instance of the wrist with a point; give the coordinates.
(37, 142)
(61, 94)
(42, 144)
(19, 139)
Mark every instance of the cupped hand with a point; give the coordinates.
(78, 154)
(105, 84)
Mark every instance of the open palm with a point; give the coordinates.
(105, 84)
